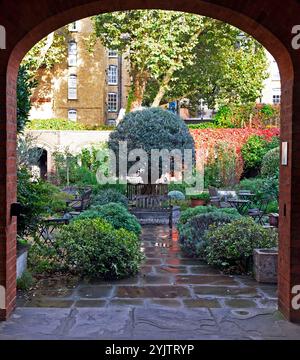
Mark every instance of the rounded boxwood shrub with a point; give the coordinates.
(116, 214)
(94, 248)
(176, 195)
(191, 237)
(189, 213)
(150, 129)
(109, 196)
(230, 247)
(270, 163)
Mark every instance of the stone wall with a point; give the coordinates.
(75, 141)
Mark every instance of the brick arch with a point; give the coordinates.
(270, 25)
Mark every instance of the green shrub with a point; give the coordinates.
(253, 152)
(54, 124)
(192, 233)
(255, 149)
(109, 196)
(25, 86)
(203, 196)
(263, 188)
(270, 163)
(116, 214)
(25, 282)
(222, 167)
(176, 195)
(94, 248)
(38, 199)
(206, 125)
(230, 247)
(121, 188)
(198, 210)
(273, 207)
(224, 117)
(44, 257)
(63, 124)
(149, 129)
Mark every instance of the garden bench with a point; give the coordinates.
(80, 203)
(152, 208)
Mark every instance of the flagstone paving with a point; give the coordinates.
(173, 297)
(167, 278)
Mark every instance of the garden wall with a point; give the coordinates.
(205, 139)
(53, 140)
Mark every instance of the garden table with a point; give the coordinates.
(242, 206)
(48, 226)
(246, 195)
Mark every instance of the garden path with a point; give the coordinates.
(173, 297)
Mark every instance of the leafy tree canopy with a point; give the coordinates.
(175, 55)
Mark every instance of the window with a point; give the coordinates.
(112, 75)
(72, 115)
(111, 122)
(276, 99)
(72, 53)
(72, 87)
(112, 53)
(112, 102)
(74, 26)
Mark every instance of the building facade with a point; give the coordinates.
(90, 87)
(271, 93)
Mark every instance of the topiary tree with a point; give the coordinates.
(270, 163)
(151, 129)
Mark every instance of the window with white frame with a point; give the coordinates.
(72, 87)
(112, 53)
(74, 26)
(111, 122)
(72, 53)
(112, 75)
(276, 99)
(112, 102)
(72, 114)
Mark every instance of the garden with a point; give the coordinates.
(73, 225)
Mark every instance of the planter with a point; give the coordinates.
(22, 255)
(274, 220)
(198, 202)
(265, 265)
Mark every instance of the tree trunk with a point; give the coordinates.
(140, 83)
(45, 49)
(163, 88)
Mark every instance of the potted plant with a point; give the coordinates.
(199, 200)
(274, 219)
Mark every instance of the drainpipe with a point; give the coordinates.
(120, 83)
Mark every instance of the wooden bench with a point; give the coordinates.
(150, 204)
(80, 203)
(152, 209)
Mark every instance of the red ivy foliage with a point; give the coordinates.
(207, 139)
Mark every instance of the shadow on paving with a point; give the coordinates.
(172, 297)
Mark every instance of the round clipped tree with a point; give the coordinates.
(151, 129)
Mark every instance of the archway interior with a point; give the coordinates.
(262, 34)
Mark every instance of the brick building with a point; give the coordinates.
(88, 86)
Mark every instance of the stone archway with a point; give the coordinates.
(270, 25)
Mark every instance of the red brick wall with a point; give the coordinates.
(270, 22)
